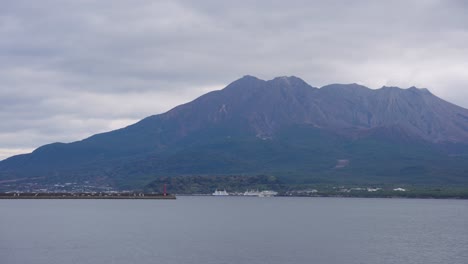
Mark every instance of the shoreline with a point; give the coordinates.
(127, 196)
(332, 196)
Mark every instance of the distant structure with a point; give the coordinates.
(260, 194)
(220, 193)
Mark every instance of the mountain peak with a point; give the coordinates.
(344, 86)
(283, 79)
(245, 83)
(352, 88)
(421, 90)
(395, 89)
(249, 77)
(288, 81)
(249, 82)
(390, 88)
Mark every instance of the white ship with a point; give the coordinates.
(267, 194)
(260, 194)
(252, 193)
(220, 193)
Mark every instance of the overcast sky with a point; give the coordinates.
(70, 69)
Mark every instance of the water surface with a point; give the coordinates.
(206, 230)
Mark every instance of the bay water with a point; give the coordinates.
(205, 230)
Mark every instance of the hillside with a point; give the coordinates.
(282, 127)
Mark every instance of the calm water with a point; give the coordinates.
(206, 230)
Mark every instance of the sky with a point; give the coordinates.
(70, 69)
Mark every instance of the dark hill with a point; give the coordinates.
(282, 127)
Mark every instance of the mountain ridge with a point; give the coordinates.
(227, 128)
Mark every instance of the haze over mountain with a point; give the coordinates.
(341, 133)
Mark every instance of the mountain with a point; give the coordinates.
(340, 133)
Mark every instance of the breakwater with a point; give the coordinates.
(87, 196)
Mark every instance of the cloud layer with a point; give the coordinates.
(69, 69)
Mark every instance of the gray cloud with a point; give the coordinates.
(69, 69)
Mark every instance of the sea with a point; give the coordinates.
(233, 230)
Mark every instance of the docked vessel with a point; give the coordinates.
(267, 194)
(220, 193)
(257, 193)
(252, 193)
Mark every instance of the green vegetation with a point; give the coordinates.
(304, 155)
(298, 155)
(239, 184)
(447, 192)
(207, 184)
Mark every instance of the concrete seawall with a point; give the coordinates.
(86, 196)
